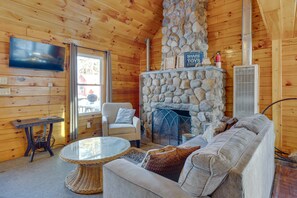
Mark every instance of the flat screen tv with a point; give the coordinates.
(35, 55)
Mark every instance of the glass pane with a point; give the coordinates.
(88, 69)
(89, 99)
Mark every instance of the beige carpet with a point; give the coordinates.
(43, 178)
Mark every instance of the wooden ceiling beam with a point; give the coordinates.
(270, 11)
(288, 18)
(279, 17)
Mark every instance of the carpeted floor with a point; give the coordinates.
(43, 178)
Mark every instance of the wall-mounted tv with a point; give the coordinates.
(35, 55)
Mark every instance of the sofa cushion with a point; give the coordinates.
(195, 141)
(125, 116)
(206, 168)
(115, 129)
(168, 161)
(253, 123)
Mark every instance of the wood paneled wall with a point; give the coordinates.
(224, 34)
(156, 53)
(118, 26)
(96, 126)
(30, 97)
(289, 90)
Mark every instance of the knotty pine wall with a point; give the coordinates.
(156, 53)
(224, 34)
(103, 25)
(30, 97)
(289, 90)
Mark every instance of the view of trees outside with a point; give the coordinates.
(89, 84)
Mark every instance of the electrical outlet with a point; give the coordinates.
(4, 91)
(50, 84)
(89, 125)
(3, 81)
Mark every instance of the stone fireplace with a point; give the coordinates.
(184, 27)
(199, 90)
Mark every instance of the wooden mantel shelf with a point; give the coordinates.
(185, 69)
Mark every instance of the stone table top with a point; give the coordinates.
(94, 150)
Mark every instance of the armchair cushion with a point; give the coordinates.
(125, 116)
(110, 110)
(115, 129)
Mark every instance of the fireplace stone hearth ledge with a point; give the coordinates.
(199, 90)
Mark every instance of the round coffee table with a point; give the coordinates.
(90, 155)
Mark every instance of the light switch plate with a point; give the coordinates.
(89, 125)
(3, 80)
(4, 91)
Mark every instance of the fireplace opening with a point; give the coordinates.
(168, 125)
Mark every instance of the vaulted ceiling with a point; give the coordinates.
(110, 24)
(279, 17)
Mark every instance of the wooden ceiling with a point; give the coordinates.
(279, 17)
(120, 25)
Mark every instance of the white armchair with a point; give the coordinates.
(130, 132)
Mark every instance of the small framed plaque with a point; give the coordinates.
(180, 61)
(169, 63)
(191, 59)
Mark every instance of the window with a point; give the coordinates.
(89, 74)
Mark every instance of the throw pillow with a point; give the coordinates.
(125, 116)
(155, 151)
(214, 129)
(231, 122)
(226, 124)
(168, 161)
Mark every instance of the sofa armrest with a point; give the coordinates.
(104, 126)
(136, 124)
(125, 179)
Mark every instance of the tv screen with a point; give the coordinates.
(35, 55)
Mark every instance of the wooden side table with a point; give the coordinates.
(44, 142)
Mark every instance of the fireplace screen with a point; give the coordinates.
(168, 125)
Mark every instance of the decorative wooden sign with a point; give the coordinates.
(170, 62)
(193, 58)
(180, 61)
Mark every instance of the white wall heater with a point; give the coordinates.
(246, 90)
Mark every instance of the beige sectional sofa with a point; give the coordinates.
(236, 163)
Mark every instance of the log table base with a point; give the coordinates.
(85, 179)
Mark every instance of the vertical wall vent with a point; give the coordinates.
(246, 91)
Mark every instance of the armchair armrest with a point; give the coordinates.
(125, 179)
(136, 124)
(104, 126)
